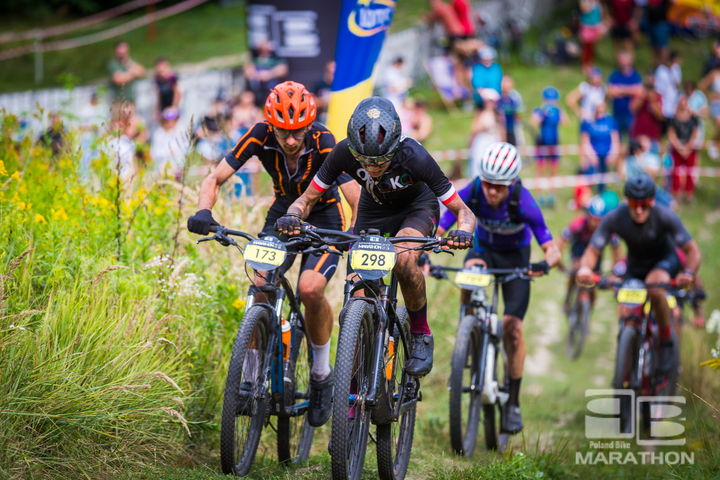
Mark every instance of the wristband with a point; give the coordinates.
(689, 272)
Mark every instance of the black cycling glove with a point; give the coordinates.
(345, 245)
(201, 222)
(460, 236)
(289, 224)
(542, 266)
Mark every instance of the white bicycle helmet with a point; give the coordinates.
(500, 163)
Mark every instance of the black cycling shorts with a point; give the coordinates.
(421, 214)
(516, 294)
(328, 216)
(671, 264)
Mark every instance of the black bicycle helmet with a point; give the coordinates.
(640, 187)
(374, 127)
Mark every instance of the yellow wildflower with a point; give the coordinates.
(16, 175)
(159, 211)
(2, 168)
(22, 188)
(22, 205)
(39, 218)
(59, 214)
(239, 303)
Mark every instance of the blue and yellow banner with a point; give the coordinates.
(363, 24)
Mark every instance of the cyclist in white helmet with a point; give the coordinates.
(507, 218)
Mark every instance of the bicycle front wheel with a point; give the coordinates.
(579, 319)
(294, 433)
(350, 417)
(465, 387)
(626, 374)
(244, 405)
(394, 440)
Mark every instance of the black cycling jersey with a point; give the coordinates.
(647, 243)
(411, 174)
(260, 141)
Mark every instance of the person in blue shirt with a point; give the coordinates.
(486, 73)
(511, 105)
(599, 143)
(546, 119)
(623, 84)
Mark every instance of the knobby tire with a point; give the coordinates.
(465, 372)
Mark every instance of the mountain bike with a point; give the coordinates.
(269, 371)
(479, 376)
(636, 364)
(371, 384)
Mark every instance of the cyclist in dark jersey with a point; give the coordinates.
(401, 184)
(578, 234)
(504, 242)
(292, 148)
(650, 233)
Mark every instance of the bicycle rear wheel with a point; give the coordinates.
(465, 387)
(626, 374)
(394, 440)
(244, 405)
(350, 418)
(294, 433)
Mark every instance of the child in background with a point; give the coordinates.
(546, 118)
(512, 106)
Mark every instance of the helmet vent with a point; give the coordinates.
(362, 134)
(290, 93)
(302, 114)
(381, 135)
(291, 112)
(280, 115)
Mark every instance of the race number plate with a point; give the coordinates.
(632, 296)
(473, 278)
(373, 257)
(265, 254)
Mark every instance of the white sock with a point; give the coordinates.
(321, 361)
(250, 365)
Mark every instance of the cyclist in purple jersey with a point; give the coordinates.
(508, 217)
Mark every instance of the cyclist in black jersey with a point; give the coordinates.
(292, 148)
(401, 184)
(650, 232)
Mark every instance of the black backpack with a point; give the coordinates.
(513, 203)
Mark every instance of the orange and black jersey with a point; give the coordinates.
(260, 141)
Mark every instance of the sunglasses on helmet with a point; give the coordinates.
(371, 161)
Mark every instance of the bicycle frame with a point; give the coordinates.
(278, 287)
(377, 397)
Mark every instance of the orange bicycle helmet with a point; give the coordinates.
(290, 106)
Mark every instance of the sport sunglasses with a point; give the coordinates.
(367, 160)
(497, 186)
(644, 204)
(282, 134)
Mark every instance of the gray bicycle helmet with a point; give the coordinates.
(374, 128)
(640, 187)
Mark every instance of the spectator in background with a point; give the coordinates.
(643, 161)
(53, 136)
(623, 84)
(667, 83)
(396, 84)
(486, 73)
(599, 143)
(463, 11)
(682, 132)
(416, 121)
(512, 106)
(244, 115)
(487, 128)
(119, 147)
(92, 116)
(546, 119)
(167, 87)
(646, 106)
(137, 130)
(123, 71)
(654, 22)
(169, 145)
(447, 15)
(264, 71)
(698, 105)
(322, 89)
(591, 30)
(623, 25)
(710, 84)
(583, 98)
(713, 61)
